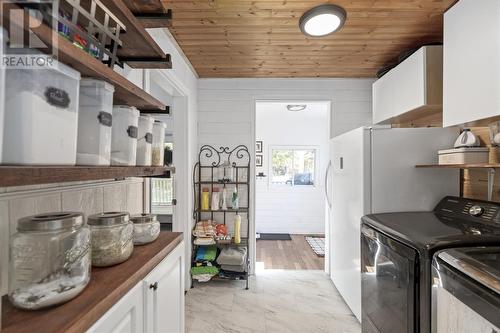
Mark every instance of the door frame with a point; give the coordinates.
(281, 98)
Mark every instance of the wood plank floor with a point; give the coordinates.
(294, 254)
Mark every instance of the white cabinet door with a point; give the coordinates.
(471, 62)
(415, 84)
(164, 290)
(126, 316)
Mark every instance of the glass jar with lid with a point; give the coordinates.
(49, 260)
(112, 238)
(146, 228)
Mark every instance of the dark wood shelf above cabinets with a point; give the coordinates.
(151, 13)
(36, 175)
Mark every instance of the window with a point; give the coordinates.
(293, 167)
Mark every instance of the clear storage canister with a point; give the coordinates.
(144, 141)
(49, 260)
(124, 135)
(146, 228)
(159, 128)
(41, 115)
(112, 238)
(95, 119)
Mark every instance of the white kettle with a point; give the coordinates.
(467, 139)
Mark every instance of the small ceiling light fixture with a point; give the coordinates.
(296, 107)
(322, 20)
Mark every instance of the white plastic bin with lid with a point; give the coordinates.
(3, 45)
(95, 119)
(41, 115)
(159, 128)
(124, 135)
(144, 140)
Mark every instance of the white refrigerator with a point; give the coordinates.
(373, 170)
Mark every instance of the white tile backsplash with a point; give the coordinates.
(115, 198)
(18, 208)
(89, 198)
(48, 203)
(134, 198)
(88, 201)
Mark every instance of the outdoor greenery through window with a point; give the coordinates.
(293, 167)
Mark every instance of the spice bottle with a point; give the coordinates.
(235, 199)
(224, 196)
(215, 199)
(205, 199)
(237, 229)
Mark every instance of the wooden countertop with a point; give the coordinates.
(106, 287)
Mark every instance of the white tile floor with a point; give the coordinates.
(278, 301)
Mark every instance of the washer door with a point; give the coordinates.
(388, 284)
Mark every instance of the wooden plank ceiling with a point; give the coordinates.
(261, 38)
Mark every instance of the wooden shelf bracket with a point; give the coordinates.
(491, 182)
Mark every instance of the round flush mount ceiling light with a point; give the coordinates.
(296, 107)
(322, 20)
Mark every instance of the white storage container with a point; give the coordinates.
(473, 155)
(3, 45)
(124, 135)
(145, 140)
(159, 128)
(41, 116)
(94, 122)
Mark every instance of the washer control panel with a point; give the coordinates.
(476, 210)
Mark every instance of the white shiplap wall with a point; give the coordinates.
(226, 107)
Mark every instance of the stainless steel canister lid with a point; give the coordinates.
(108, 218)
(50, 221)
(143, 218)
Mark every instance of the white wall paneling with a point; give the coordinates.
(225, 104)
(178, 86)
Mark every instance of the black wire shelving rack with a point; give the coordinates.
(206, 174)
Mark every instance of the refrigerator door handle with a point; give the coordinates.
(326, 184)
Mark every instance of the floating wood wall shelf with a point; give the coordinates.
(491, 168)
(36, 175)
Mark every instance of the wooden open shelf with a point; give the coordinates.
(36, 175)
(151, 13)
(139, 48)
(126, 92)
(460, 166)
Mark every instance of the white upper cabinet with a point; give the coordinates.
(412, 89)
(471, 62)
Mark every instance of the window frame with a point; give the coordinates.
(293, 148)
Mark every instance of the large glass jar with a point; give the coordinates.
(146, 228)
(49, 260)
(112, 238)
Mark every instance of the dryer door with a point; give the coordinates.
(388, 284)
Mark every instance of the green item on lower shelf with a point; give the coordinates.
(206, 253)
(211, 270)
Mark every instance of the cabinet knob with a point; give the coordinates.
(153, 286)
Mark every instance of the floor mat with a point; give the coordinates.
(275, 237)
(317, 244)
